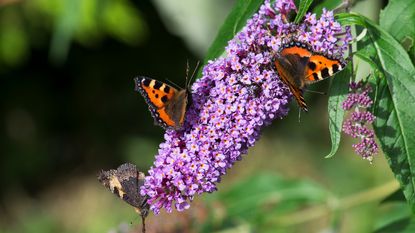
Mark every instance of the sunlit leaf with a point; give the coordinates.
(398, 19)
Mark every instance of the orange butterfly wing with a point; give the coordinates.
(296, 48)
(297, 76)
(321, 67)
(157, 95)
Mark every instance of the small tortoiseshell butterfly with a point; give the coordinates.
(125, 183)
(167, 105)
(298, 65)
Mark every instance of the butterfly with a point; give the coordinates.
(125, 182)
(167, 104)
(298, 66)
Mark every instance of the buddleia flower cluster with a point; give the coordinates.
(357, 125)
(238, 94)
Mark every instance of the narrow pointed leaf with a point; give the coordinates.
(302, 10)
(338, 93)
(236, 20)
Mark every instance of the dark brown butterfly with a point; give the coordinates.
(125, 183)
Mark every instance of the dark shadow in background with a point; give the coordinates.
(73, 118)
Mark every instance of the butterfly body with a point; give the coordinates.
(298, 66)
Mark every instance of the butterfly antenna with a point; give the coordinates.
(194, 71)
(193, 74)
(187, 68)
(173, 84)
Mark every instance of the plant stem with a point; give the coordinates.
(337, 204)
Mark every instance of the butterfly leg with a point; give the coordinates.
(316, 92)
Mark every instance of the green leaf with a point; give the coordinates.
(261, 198)
(406, 225)
(243, 10)
(328, 4)
(397, 196)
(395, 102)
(302, 10)
(394, 218)
(338, 93)
(398, 19)
(389, 133)
(236, 20)
(402, 226)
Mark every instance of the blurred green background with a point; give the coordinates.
(68, 110)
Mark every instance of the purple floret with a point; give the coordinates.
(356, 125)
(238, 94)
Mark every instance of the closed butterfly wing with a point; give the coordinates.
(177, 107)
(291, 69)
(125, 183)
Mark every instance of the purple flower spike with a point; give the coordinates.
(238, 94)
(355, 126)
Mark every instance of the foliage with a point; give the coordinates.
(398, 19)
(302, 10)
(338, 93)
(86, 22)
(262, 200)
(394, 75)
(237, 18)
(395, 100)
